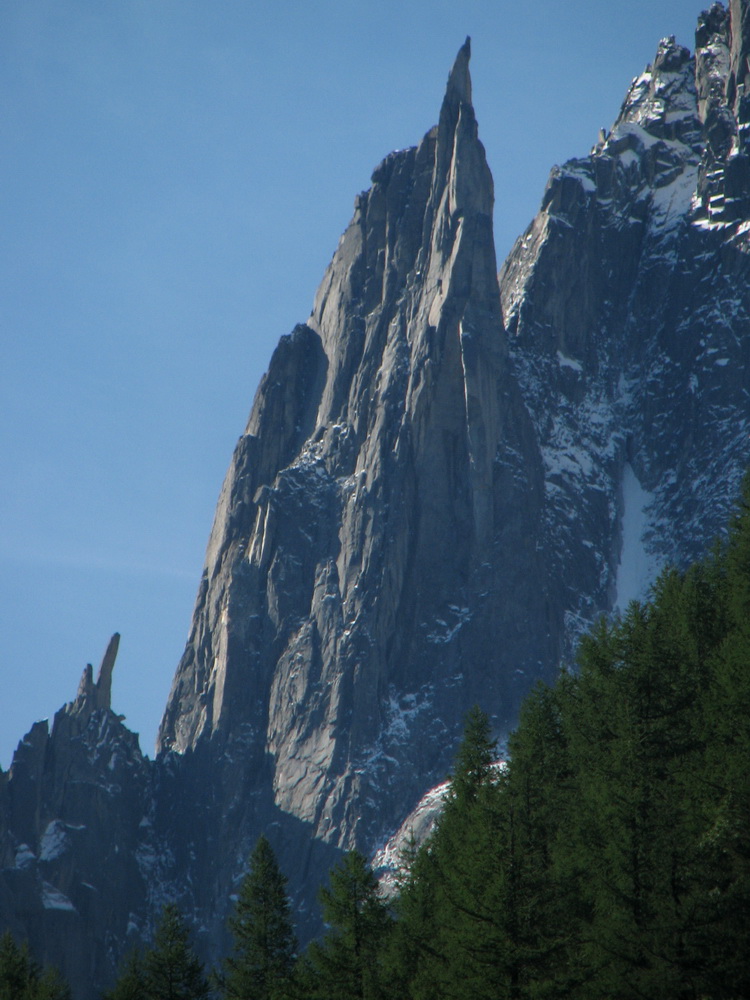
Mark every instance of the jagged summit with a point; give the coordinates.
(97, 696)
(459, 80)
(325, 600)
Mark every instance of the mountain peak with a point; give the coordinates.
(459, 79)
(97, 696)
(375, 432)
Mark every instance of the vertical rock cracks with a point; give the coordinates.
(348, 574)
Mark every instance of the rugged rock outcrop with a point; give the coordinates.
(626, 303)
(374, 542)
(75, 810)
(445, 476)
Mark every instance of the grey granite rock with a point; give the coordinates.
(360, 558)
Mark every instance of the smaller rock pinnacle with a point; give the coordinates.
(104, 680)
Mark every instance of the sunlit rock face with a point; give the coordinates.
(444, 478)
(372, 570)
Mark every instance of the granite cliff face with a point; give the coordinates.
(375, 534)
(444, 477)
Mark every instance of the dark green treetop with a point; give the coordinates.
(347, 963)
(171, 969)
(22, 979)
(262, 960)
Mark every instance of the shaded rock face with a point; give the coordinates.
(76, 824)
(444, 478)
(626, 304)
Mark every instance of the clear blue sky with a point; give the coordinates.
(174, 177)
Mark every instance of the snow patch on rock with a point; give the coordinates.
(53, 899)
(24, 857)
(638, 568)
(54, 842)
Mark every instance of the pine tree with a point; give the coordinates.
(171, 969)
(475, 758)
(15, 968)
(49, 986)
(261, 964)
(131, 982)
(724, 918)
(22, 979)
(537, 797)
(456, 908)
(347, 963)
(636, 721)
(471, 887)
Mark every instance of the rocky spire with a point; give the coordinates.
(104, 678)
(372, 440)
(97, 696)
(458, 90)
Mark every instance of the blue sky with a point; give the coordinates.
(174, 177)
